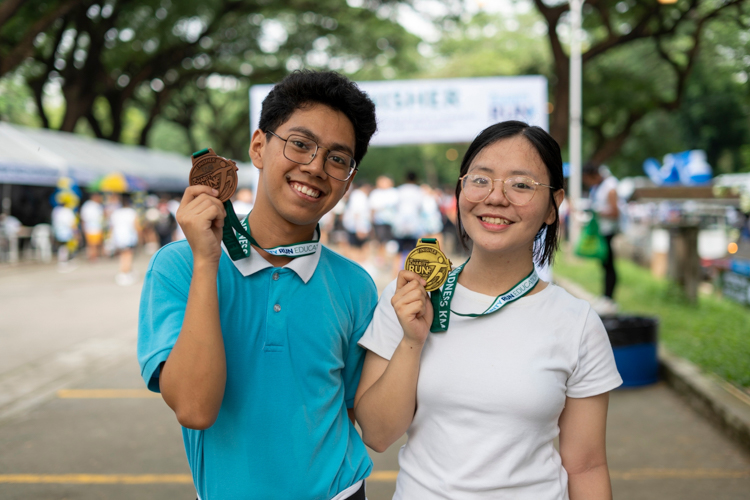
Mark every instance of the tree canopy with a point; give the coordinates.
(175, 75)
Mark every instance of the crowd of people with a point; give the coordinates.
(113, 224)
(377, 225)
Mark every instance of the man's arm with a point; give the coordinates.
(583, 425)
(613, 210)
(193, 378)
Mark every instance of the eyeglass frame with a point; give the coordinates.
(492, 187)
(315, 155)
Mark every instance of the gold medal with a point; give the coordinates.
(428, 261)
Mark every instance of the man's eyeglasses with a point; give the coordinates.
(302, 150)
(518, 190)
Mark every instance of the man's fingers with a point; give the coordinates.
(201, 203)
(194, 191)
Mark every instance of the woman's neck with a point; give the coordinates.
(492, 274)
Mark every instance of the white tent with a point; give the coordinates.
(40, 156)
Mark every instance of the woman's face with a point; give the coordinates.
(495, 225)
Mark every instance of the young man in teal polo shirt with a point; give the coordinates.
(258, 357)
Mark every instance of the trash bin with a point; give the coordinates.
(633, 340)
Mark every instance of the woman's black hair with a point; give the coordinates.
(304, 87)
(549, 152)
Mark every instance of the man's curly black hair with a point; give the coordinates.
(305, 87)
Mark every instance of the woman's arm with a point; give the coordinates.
(583, 426)
(386, 398)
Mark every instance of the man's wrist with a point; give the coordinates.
(209, 266)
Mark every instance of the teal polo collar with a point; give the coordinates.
(304, 266)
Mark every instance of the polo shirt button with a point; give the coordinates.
(275, 276)
(277, 308)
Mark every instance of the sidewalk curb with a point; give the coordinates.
(714, 398)
(726, 406)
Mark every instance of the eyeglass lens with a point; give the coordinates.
(518, 190)
(302, 150)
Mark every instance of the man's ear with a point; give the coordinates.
(257, 148)
(558, 196)
(349, 182)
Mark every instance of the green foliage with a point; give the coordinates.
(16, 104)
(429, 162)
(491, 45)
(188, 62)
(714, 334)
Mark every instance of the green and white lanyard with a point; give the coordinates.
(237, 239)
(441, 302)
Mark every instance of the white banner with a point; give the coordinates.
(438, 111)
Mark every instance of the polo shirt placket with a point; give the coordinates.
(277, 310)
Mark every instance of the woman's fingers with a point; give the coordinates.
(405, 277)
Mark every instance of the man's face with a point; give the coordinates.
(301, 194)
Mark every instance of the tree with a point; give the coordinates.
(159, 56)
(668, 36)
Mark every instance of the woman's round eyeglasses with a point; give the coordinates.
(302, 150)
(519, 190)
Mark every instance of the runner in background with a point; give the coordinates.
(357, 222)
(124, 233)
(383, 204)
(92, 220)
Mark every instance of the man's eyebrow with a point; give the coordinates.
(334, 147)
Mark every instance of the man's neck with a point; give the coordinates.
(270, 232)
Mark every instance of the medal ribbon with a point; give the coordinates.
(441, 302)
(237, 239)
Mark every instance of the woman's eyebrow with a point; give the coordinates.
(489, 170)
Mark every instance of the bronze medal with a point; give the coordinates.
(428, 261)
(214, 171)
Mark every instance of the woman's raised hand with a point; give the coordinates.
(201, 217)
(413, 307)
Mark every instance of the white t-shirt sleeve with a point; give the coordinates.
(384, 333)
(595, 372)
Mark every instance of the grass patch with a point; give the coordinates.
(714, 334)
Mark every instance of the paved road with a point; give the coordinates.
(76, 423)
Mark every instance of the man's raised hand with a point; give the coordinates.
(201, 217)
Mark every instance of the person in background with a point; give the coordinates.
(173, 205)
(358, 223)
(606, 204)
(383, 202)
(124, 227)
(243, 205)
(64, 226)
(407, 223)
(92, 221)
(165, 224)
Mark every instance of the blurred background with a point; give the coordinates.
(102, 102)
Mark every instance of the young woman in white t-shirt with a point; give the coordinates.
(484, 401)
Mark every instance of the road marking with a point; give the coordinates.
(377, 476)
(106, 394)
(638, 474)
(386, 476)
(96, 478)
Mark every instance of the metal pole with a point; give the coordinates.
(574, 186)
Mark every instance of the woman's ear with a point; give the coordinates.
(558, 197)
